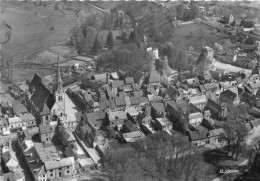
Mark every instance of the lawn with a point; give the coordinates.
(31, 31)
(194, 35)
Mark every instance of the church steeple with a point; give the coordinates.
(59, 80)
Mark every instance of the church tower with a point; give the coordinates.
(59, 93)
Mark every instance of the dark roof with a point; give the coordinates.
(227, 96)
(36, 81)
(129, 80)
(117, 83)
(183, 104)
(130, 127)
(211, 105)
(135, 100)
(198, 135)
(45, 129)
(154, 77)
(171, 102)
(34, 157)
(144, 100)
(42, 96)
(171, 92)
(120, 101)
(158, 107)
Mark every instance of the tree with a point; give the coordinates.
(180, 11)
(84, 31)
(194, 11)
(97, 44)
(250, 41)
(56, 6)
(110, 41)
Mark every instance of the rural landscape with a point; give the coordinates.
(129, 90)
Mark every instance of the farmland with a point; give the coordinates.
(33, 28)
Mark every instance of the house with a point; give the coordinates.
(195, 119)
(255, 111)
(154, 78)
(18, 108)
(128, 89)
(157, 110)
(86, 164)
(143, 118)
(129, 80)
(169, 102)
(117, 119)
(254, 86)
(120, 102)
(144, 101)
(28, 120)
(217, 111)
(163, 124)
(16, 175)
(132, 114)
(128, 126)
(4, 126)
(71, 121)
(199, 138)
(9, 158)
(135, 100)
(199, 101)
(59, 169)
(15, 123)
(170, 93)
(240, 82)
(211, 87)
(216, 136)
(154, 99)
(202, 89)
(228, 85)
(228, 97)
(66, 137)
(46, 133)
(119, 84)
(32, 159)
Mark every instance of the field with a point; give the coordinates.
(32, 30)
(194, 35)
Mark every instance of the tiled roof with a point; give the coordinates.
(129, 80)
(135, 100)
(198, 99)
(45, 129)
(216, 132)
(144, 100)
(120, 101)
(164, 121)
(130, 127)
(195, 135)
(127, 88)
(154, 77)
(14, 120)
(227, 95)
(117, 83)
(152, 97)
(18, 107)
(36, 80)
(117, 115)
(158, 107)
(213, 106)
(42, 96)
(101, 77)
(27, 117)
(65, 162)
(195, 115)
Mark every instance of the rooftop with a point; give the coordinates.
(65, 162)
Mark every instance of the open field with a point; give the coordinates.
(194, 35)
(31, 31)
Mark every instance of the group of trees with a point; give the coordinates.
(235, 132)
(156, 157)
(183, 13)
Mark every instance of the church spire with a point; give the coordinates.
(59, 80)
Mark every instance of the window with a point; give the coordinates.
(68, 171)
(60, 175)
(51, 175)
(43, 176)
(68, 167)
(46, 117)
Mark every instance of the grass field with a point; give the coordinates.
(194, 35)
(31, 31)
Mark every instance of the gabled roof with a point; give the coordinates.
(216, 132)
(36, 81)
(129, 80)
(135, 100)
(101, 77)
(154, 77)
(18, 107)
(120, 101)
(198, 99)
(213, 106)
(117, 83)
(158, 107)
(65, 162)
(42, 96)
(45, 129)
(196, 135)
(130, 127)
(27, 117)
(46, 110)
(127, 88)
(14, 120)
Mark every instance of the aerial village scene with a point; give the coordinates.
(130, 91)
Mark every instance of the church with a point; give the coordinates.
(48, 106)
